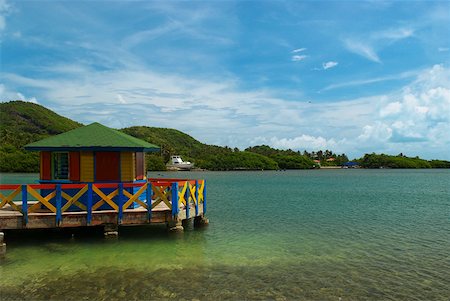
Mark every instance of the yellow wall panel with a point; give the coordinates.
(127, 165)
(86, 166)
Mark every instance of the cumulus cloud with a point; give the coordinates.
(329, 65)
(306, 142)
(391, 109)
(415, 118)
(20, 96)
(378, 132)
(418, 114)
(8, 95)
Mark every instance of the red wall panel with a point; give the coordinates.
(107, 165)
(46, 165)
(74, 166)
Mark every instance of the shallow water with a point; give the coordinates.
(309, 235)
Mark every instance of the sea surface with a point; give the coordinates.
(290, 235)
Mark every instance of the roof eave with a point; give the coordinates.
(92, 148)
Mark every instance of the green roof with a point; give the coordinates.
(92, 136)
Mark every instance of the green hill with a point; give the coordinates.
(399, 161)
(174, 142)
(24, 122)
(286, 159)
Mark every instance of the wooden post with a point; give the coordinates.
(25, 204)
(204, 196)
(186, 198)
(196, 197)
(120, 203)
(89, 204)
(58, 205)
(148, 197)
(175, 205)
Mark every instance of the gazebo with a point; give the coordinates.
(93, 153)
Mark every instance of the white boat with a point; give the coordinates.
(176, 163)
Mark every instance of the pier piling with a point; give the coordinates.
(175, 225)
(111, 231)
(2, 245)
(200, 221)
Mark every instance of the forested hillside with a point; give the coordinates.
(24, 122)
(211, 157)
(399, 161)
(286, 159)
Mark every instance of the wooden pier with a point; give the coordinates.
(43, 206)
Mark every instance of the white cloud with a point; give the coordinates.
(218, 112)
(362, 49)
(5, 9)
(415, 118)
(329, 65)
(121, 99)
(302, 142)
(393, 34)
(8, 95)
(391, 109)
(298, 58)
(359, 82)
(20, 96)
(298, 50)
(368, 45)
(375, 133)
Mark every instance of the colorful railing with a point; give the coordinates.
(60, 198)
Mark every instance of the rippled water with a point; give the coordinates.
(308, 235)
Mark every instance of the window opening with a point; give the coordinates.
(61, 166)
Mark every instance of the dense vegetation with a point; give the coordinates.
(211, 157)
(22, 123)
(327, 157)
(286, 159)
(386, 161)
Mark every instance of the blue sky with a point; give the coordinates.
(351, 76)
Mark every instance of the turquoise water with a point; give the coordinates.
(294, 235)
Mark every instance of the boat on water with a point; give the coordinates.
(176, 163)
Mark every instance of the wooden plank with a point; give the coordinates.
(134, 197)
(41, 199)
(73, 200)
(9, 199)
(106, 198)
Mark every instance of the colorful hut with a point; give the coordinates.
(93, 153)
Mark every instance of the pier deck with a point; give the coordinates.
(156, 201)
